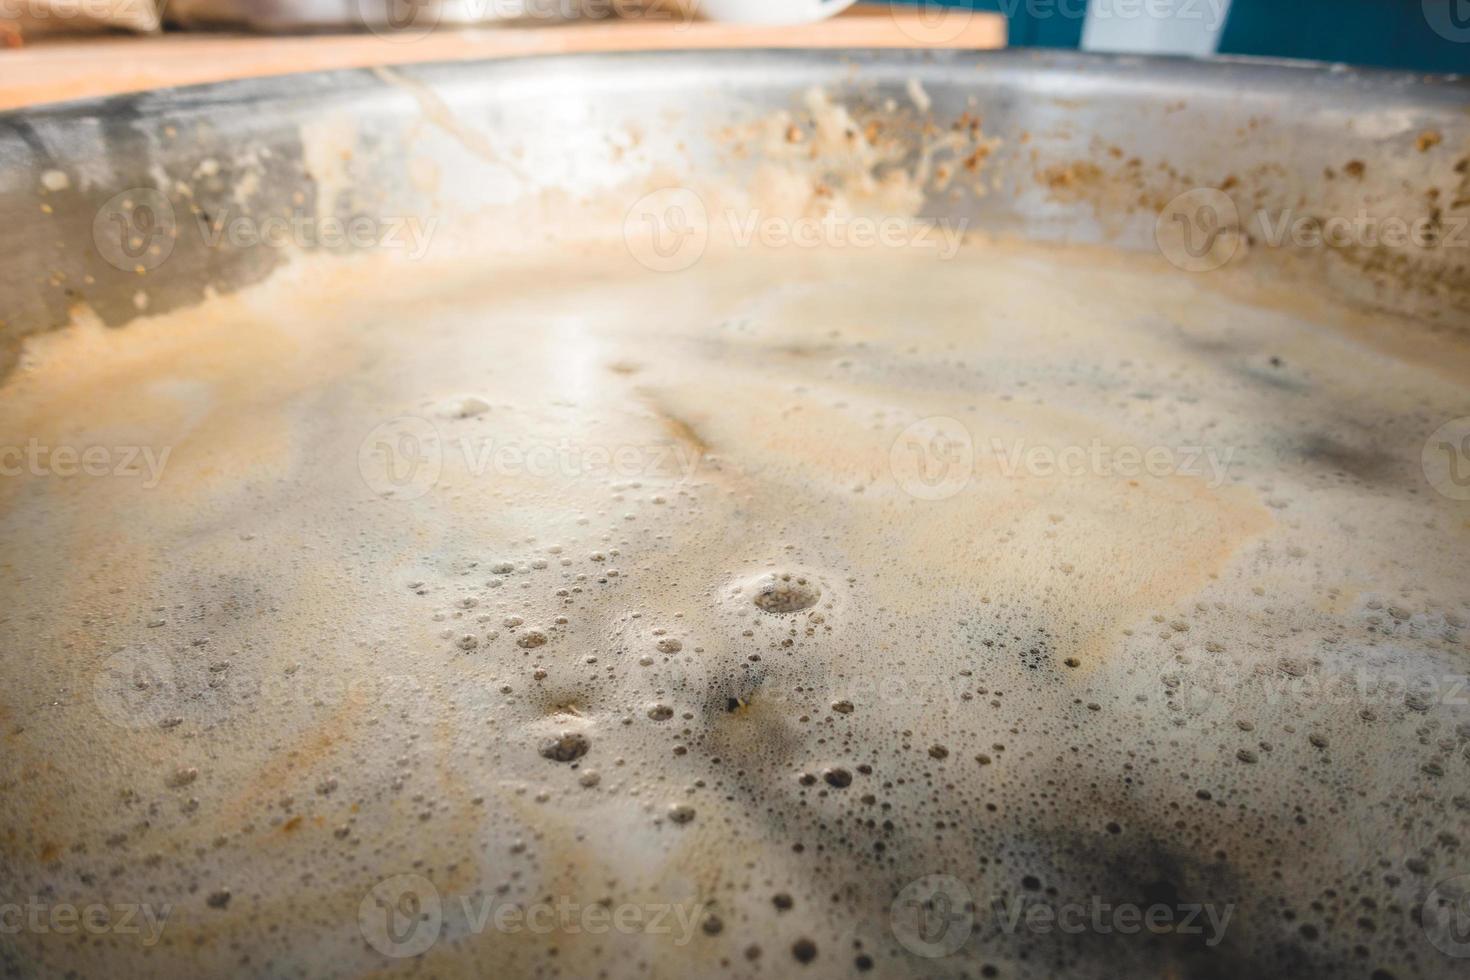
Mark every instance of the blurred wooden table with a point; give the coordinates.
(56, 69)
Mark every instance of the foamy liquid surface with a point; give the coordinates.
(736, 602)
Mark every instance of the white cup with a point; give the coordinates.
(772, 12)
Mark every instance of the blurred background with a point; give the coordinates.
(1422, 35)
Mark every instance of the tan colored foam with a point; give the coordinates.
(1111, 632)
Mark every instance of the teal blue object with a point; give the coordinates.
(1422, 35)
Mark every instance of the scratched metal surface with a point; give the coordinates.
(1093, 148)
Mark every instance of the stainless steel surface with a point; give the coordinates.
(1093, 148)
